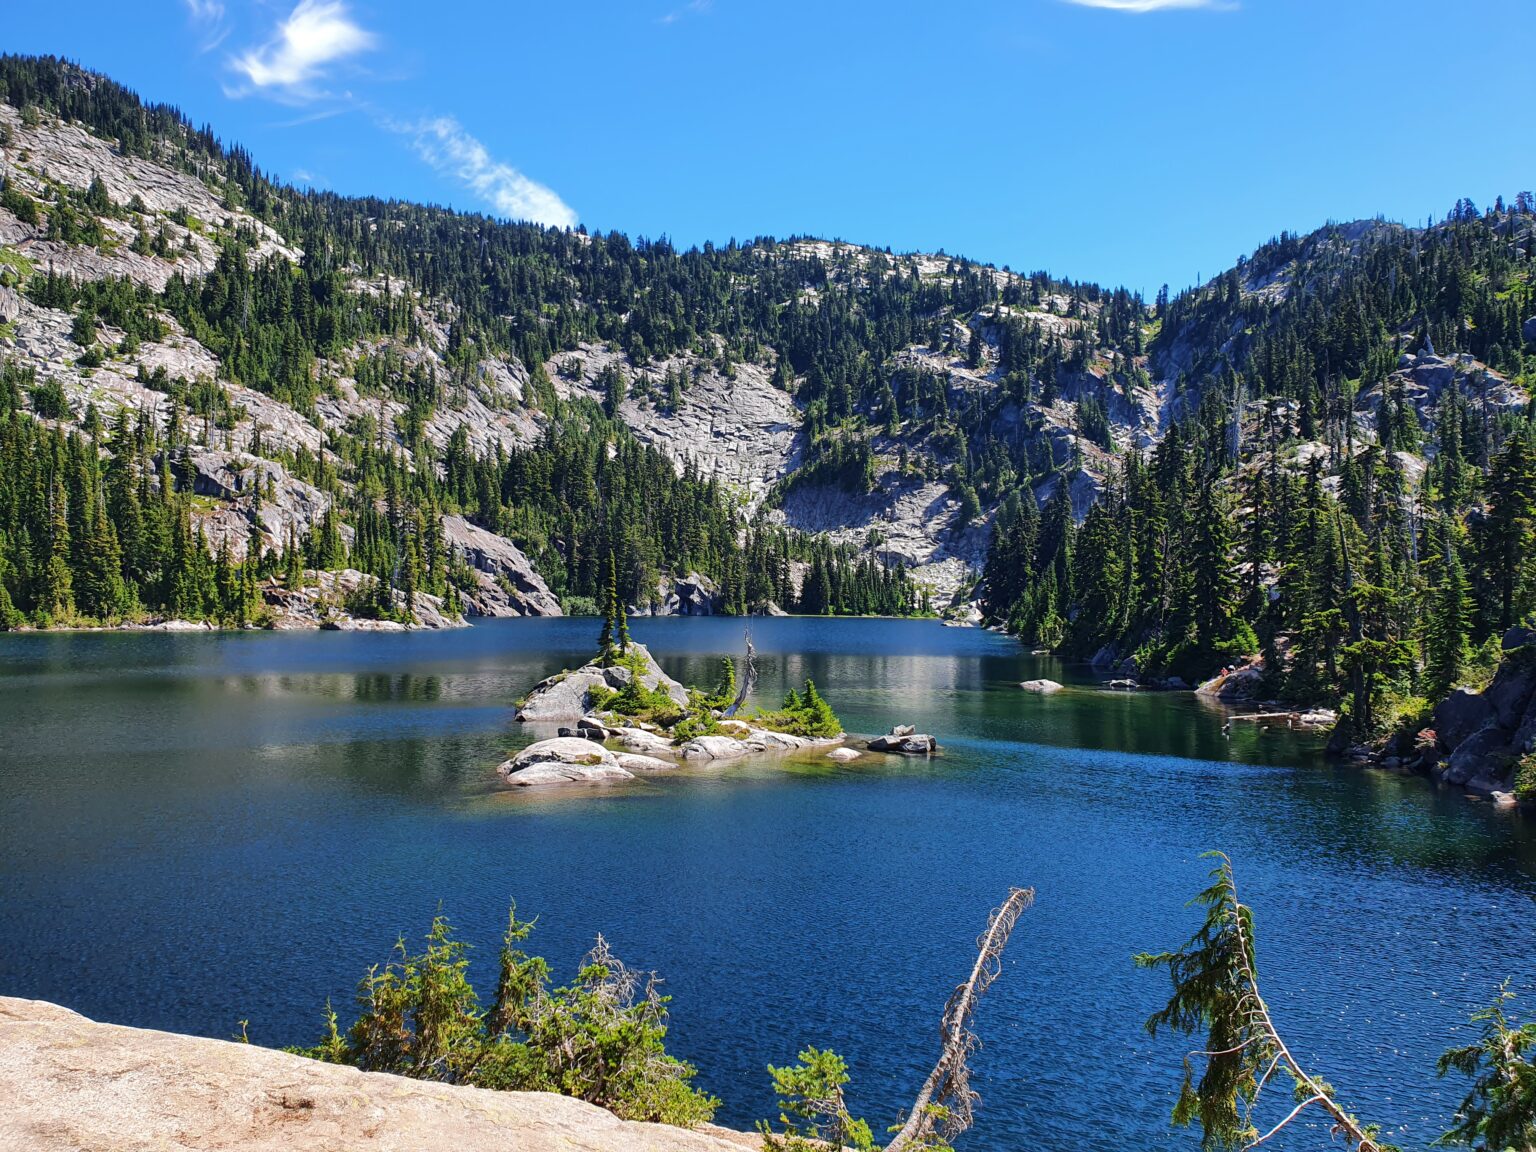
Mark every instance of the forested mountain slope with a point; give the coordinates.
(1293, 457)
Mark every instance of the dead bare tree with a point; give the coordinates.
(946, 1099)
(748, 679)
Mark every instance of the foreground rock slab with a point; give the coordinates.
(69, 1083)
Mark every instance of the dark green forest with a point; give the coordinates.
(1304, 499)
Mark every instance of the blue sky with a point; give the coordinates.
(1124, 141)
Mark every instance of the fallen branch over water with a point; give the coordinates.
(946, 1098)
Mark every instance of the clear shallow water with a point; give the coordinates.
(199, 829)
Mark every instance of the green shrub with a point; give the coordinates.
(1525, 777)
(599, 1038)
(802, 715)
(694, 725)
(812, 1109)
(49, 401)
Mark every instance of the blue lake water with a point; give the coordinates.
(200, 829)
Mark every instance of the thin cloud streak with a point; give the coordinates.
(208, 15)
(692, 8)
(1141, 6)
(444, 144)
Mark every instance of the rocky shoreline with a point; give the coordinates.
(1483, 742)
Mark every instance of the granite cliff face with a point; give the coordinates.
(69, 1083)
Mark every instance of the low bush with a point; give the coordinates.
(599, 1038)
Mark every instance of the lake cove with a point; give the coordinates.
(200, 829)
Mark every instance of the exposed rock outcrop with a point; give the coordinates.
(1236, 685)
(749, 742)
(509, 585)
(255, 495)
(567, 695)
(905, 741)
(69, 1083)
(576, 760)
(738, 428)
(322, 603)
(690, 595)
(1477, 740)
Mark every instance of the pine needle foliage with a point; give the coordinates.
(599, 1038)
(1216, 994)
(1500, 1110)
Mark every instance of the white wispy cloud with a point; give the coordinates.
(1153, 5)
(314, 36)
(444, 144)
(208, 17)
(692, 8)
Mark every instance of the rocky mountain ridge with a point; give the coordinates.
(960, 417)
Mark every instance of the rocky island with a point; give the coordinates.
(623, 696)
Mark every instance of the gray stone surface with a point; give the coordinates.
(1041, 687)
(509, 585)
(1459, 715)
(566, 696)
(70, 1084)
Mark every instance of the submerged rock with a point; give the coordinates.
(1042, 687)
(844, 755)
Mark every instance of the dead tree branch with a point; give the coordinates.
(945, 1101)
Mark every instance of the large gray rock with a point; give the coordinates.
(69, 1084)
(1485, 753)
(567, 695)
(1041, 687)
(564, 749)
(1512, 690)
(1459, 715)
(509, 585)
(906, 743)
(738, 740)
(714, 748)
(640, 740)
(1528, 330)
(575, 760)
(694, 595)
(559, 772)
(1517, 637)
